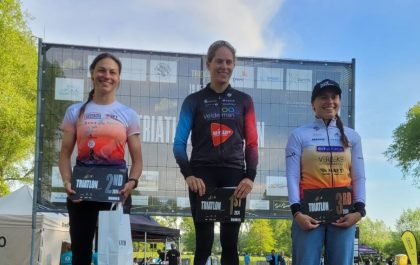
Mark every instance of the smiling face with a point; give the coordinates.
(221, 67)
(326, 105)
(105, 76)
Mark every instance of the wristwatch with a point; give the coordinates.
(359, 207)
(136, 182)
(361, 211)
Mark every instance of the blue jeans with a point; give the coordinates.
(338, 244)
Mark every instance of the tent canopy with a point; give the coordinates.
(18, 202)
(145, 227)
(364, 249)
(16, 228)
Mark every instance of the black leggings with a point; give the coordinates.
(204, 231)
(83, 219)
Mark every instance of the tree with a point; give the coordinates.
(374, 234)
(409, 220)
(405, 148)
(18, 60)
(188, 234)
(260, 238)
(168, 221)
(282, 233)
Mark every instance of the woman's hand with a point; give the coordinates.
(196, 185)
(244, 188)
(305, 221)
(348, 220)
(127, 189)
(70, 191)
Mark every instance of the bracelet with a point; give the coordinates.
(136, 182)
(65, 182)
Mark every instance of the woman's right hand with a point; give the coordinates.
(306, 222)
(196, 185)
(70, 191)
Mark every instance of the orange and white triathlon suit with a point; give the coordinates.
(316, 158)
(102, 132)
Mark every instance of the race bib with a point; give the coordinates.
(220, 205)
(328, 204)
(98, 183)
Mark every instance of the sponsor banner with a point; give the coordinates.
(163, 71)
(300, 80)
(276, 186)
(69, 89)
(98, 183)
(134, 69)
(269, 78)
(279, 205)
(259, 204)
(243, 76)
(328, 204)
(410, 245)
(56, 180)
(183, 202)
(140, 200)
(220, 205)
(149, 181)
(60, 197)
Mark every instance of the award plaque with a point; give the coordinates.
(220, 205)
(101, 184)
(328, 204)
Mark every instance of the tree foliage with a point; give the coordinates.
(409, 220)
(282, 234)
(260, 238)
(18, 60)
(374, 234)
(188, 234)
(405, 148)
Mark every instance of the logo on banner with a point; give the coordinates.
(220, 133)
(163, 69)
(410, 245)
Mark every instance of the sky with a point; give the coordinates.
(383, 37)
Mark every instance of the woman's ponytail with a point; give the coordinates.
(343, 137)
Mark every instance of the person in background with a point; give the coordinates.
(273, 258)
(390, 260)
(172, 256)
(224, 153)
(324, 154)
(101, 127)
(161, 256)
(247, 258)
(282, 260)
(66, 257)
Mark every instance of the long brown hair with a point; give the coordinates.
(91, 69)
(343, 137)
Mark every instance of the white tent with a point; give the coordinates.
(16, 231)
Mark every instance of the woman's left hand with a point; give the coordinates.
(348, 220)
(244, 188)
